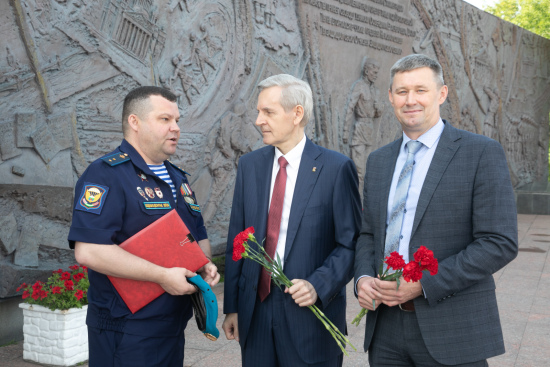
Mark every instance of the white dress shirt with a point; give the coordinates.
(293, 157)
(422, 161)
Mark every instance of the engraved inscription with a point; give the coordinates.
(383, 30)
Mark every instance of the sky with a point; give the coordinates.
(481, 3)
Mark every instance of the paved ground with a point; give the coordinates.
(523, 291)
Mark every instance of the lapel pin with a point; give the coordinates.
(314, 169)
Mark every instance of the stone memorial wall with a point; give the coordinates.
(66, 65)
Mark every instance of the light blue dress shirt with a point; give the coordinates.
(422, 161)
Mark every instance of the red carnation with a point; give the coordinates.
(395, 261)
(69, 285)
(79, 294)
(423, 254)
(56, 290)
(238, 251)
(412, 272)
(66, 276)
(26, 294)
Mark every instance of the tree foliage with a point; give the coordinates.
(533, 15)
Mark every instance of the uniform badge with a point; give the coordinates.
(149, 191)
(189, 199)
(186, 190)
(195, 207)
(142, 176)
(92, 198)
(157, 205)
(158, 192)
(142, 193)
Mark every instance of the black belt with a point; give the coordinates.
(407, 306)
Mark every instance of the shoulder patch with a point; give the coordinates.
(117, 158)
(179, 168)
(92, 198)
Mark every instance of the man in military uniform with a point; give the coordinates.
(117, 196)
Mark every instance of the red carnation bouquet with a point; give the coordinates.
(241, 249)
(412, 272)
(63, 289)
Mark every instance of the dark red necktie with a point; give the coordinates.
(273, 225)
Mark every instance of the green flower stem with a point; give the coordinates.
(279, 277)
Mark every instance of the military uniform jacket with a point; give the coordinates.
(116, 197)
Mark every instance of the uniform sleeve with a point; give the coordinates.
(98, 206)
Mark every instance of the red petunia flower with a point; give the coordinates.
(37, 286)
(79, 294)
(24, 285)
(58, 271)
(69, 285)
(26, 294)
(74, 267)
(56, 290)
(35, 295)
(43, 294)
(66, 276)
(78, 277)
(395, 261)
(412, 272)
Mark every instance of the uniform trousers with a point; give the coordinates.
(269, 342)
(115, 349)
(397, 341)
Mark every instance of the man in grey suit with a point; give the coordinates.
(459, 204)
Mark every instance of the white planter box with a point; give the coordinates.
(57, 337)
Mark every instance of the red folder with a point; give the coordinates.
(166, 242)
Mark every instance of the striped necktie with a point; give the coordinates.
(393, 232)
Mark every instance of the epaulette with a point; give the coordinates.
(179, 168)
(117, 158)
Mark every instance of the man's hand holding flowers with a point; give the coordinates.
(302, 292)
(386, 292)
(372, 292)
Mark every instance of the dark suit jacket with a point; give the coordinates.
(466, 215)
(320, 247)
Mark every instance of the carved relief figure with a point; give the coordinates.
(263, 12)
(235, 137)
(467, 121)
(180, 72)
(490, 128)
(362, 115)
(198, 56)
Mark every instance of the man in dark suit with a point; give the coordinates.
(312, 224)
(459, 204)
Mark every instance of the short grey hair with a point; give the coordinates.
(417, 61)
(294, 92)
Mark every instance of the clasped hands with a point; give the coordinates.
(386, 292)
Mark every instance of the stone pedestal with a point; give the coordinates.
(57, 337)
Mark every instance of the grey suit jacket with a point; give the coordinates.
(466, 215)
